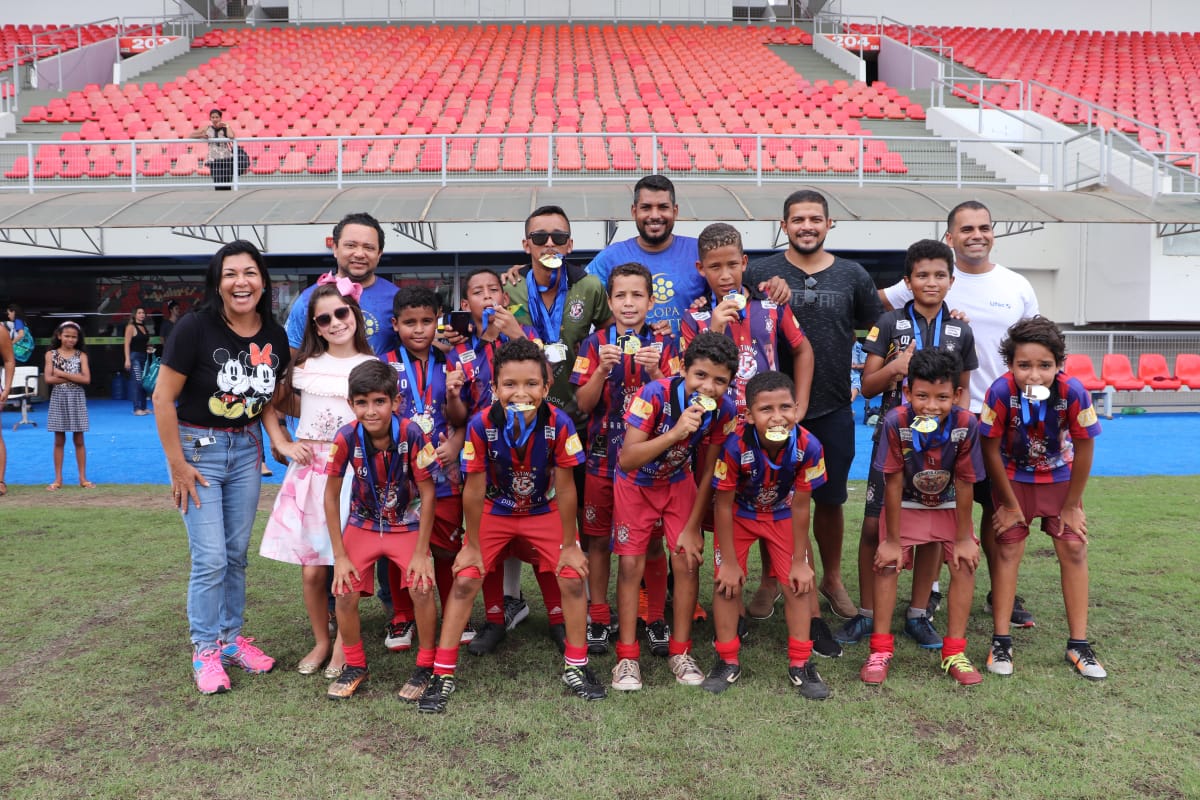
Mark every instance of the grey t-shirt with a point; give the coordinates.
(844, 299)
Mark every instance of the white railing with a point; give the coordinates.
(543, 158)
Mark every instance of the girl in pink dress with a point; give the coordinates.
(315, 389)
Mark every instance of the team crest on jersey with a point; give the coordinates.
(770, 324)
(931, 481)
(523, 484)
(575, 310)
(717, 556)
(622, 533)
(589, 513)
(747, 362)
(767, 497)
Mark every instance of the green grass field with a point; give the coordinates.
(97, 698)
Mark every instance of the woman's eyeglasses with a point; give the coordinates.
(558, 237)
(325, 320)
(810, 296)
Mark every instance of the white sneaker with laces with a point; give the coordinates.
(627, 675)
(685, 669)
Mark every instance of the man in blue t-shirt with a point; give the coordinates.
(671, 259)
(357, 248)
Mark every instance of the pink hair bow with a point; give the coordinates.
(345, 286)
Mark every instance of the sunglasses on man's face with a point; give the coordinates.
(325, 320)
(558, 237)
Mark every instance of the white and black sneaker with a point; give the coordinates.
(1000, 659)
(516, 611)
(582, 683)
(658, 636)
(721, 676)
(399, 636)
(1085, 662)
(468, 634)
(808, 682)
(597, 638)
(436, 695)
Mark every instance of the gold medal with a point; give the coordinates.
(1036, 392)
(556, 352)
(521, 408)
(629, 344)
(425, 423)
(704, 401)
(551, 261)
(778, 433)
(925, 424)
(739, 300)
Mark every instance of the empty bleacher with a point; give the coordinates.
(50, 40)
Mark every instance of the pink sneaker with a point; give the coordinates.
(247, 656)
(209, 674)
(876, 669)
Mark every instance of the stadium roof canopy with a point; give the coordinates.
(76, 221)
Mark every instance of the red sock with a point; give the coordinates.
(551, 595)
(425, 656)
(445, 660)
(655, 577)
(799, 652)
(355, 657)
(443, 576)
(883, 643)
(728, 651)
(675, 648)
(600, 613)
(576, 656)
(493, 596)
(402, 606)
(952, 646)
(632, 650)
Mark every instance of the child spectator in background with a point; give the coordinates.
(613, 364)
(858, 360)
(763, 485)
(392, 507)
(519, 459)
(675, 430)
(68, 372)
(1039, 430)
(929, 456)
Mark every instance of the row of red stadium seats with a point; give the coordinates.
(1116, 372)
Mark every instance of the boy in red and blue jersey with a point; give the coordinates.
(763, 483)
(675, 430)
(613, 364)
(519, 458)
(392, 507)
(421, 381)
(763, 331)
(924, 322)
(929, 456)
(1039, 430)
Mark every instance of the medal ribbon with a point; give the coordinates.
(936, 437)
(1027, 413)
(515, 420)
(937, 328)
(681, 405)
(788, 457)
(547, 321)
(421, 396)
(391, 461)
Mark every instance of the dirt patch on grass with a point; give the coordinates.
(109, 495)
(1157, 787)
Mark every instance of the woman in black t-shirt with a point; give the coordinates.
(137, 352)
(217, 377)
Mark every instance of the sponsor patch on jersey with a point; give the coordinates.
(747, 458)
(469, 450)
(812, 473)
(426, 457)
(730, 426)
(873, 334)
(953, 330)
(720, 471)
(581, 364)
(492, 434)
(641, 408)
(903, 325)
(1086, 417)
(987, 416)
(573, 444)
(467, 356)
(769, 304)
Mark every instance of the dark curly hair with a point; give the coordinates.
(717, 348)
(1035, 330)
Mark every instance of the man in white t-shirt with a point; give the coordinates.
(992, 297)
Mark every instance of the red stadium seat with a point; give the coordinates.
(1187, 369)
(1079, 366)
(1152, 368)
(1117, 372)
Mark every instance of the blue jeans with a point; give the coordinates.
(137, 367)
(219, 531)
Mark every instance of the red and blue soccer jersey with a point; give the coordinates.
(475, 357)
(763, 488)
(422, 389)
(383, 495)
(654, 412)
(606, 424)
(900, 327)
(1036, 442)
(931, 462)
(757, 335)
(520, 479)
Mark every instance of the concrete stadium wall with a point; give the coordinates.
(1161, 15)
(77, 12)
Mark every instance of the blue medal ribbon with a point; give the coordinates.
(1027, 411)
(789, 456)
(392, 463)
(922, 440)
(681, 405)
(515, 421)
(937, 328)
(423, 395)
(547, 321)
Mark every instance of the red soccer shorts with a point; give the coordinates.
(597, 506)
(776, 534)
(924, 525)
(448, 524)
(1043, 500)
(638, 510)
(537, 535)
(365, 547)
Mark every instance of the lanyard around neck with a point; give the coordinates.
(422, 395)
(937, 329)
(391, 460)
(548, 321)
